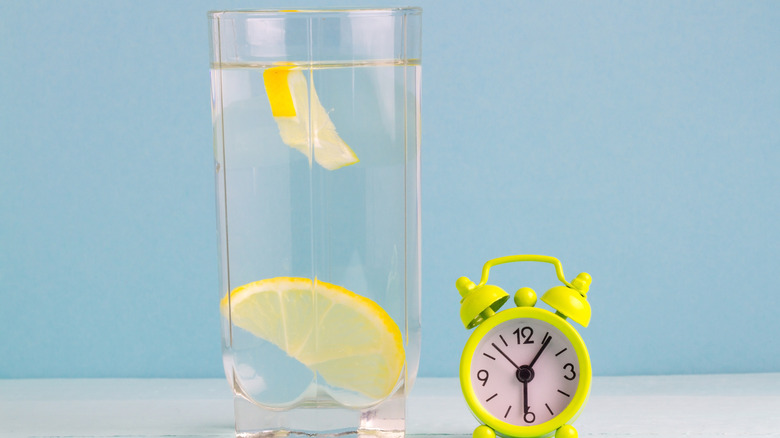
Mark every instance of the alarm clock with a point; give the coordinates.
(525, 371)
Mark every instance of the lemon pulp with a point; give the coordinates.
(303, 122)
(347, 338)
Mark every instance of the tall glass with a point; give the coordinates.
(316, 117)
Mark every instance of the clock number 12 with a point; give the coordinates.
(525, 333)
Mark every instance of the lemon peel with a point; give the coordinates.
(304, 128)
(347, 338)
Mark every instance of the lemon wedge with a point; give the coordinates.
(288, 94)
(347, 338)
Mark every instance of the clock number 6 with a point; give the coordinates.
(569, 367)
(481, 378)
(529, 417)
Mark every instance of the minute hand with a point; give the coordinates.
(539, 353)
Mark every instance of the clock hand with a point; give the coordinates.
(525, 397)
(504, 354)
(539, 353)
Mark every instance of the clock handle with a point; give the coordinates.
(524, 258)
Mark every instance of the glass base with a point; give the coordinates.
(385, 420)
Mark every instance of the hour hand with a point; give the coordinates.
(504, 354)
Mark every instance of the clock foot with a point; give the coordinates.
(566, 431)
(485, 432)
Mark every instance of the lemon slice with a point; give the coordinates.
(347, 338)
(288, 94)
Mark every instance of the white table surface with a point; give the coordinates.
(744, 405)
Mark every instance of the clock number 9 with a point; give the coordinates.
(481, 378)
(569, 367)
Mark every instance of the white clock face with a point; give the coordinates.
(525, 371)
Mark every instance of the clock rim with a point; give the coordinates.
(508, 429)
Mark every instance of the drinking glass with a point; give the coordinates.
(316, 117)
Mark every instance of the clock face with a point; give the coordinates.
(525, 371)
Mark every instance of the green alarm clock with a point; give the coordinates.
(525, 371)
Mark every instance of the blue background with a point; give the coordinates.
(637, 141)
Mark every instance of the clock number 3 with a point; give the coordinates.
(483, 375)
(569, 367)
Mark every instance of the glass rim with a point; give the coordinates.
(408, 10)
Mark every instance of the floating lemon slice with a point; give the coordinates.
(288, 94)
(347, 338)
